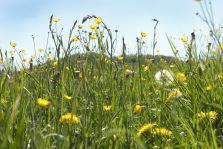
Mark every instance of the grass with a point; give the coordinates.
(94, 99)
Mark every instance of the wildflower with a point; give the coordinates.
(184, 39)
(145, 129)
(220, 47)
(175, 93)
(67, 68)
(55, 64)
(73, 39)
(120, 58)
(67, 97)
(80, 26)
(138, 108)
(172, 66)
(12, 44)
(163, 132)
(164, 77)
(98, 20)
(40, 50)
(181, 77)
(11, 53)
(93, 26)
(143, 34)
(93, 37)
(42, 102)
(49, 58)
(209, 88)
(69, 117)
(146, 68)
(23, 51)
(212, 115)
(56, 20)
(107, 108)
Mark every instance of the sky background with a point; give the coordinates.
(22, 18)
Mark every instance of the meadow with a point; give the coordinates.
(79, 94)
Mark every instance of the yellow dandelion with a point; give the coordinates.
(42, 102)
(69, 117)
(212, 115)
(11, 53)
(93, 26)
(220, 47)
(93, 36)
(12, 44)
(172, 65)
(98, 20)
(56, 20)
(107, 107)
(138, 108)
(120, 58)
(80, 26)
(175, 93)
(181, 77)
(146, 69)
(23, 51)
(163, 132)
(73, 39)
(40, 50)
(184, 39)
(143, 34)
(209, 88)
(55, 64)
(67, 97)
(145, 129)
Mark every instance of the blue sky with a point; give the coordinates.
(22, 18)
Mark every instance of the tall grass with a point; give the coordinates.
(113, 102)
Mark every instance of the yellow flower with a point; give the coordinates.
(98, 20)
(172, 66)
(146, 68)
(120, 58)
(175, 93)
(49, 58)
(163, 132)
(209, 88)
(67, 97)
(143, 34)
(107, 108)
(145, 129)
(138, 108)
(93, 37)
(93, 26)
(220, 47)
(212, 115)
(73, 39)
(11, 53)
(55, 63)
(80, 26)
(69, 117)
(56, 20)
(23, 51)
(42, 102)
(184, 39)
(158, 51)
(181, 77)
(40, 49)
(12, 44)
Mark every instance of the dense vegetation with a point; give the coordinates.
(80, 95)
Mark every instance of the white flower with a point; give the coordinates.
(164, 77)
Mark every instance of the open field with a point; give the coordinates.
(79, 94)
